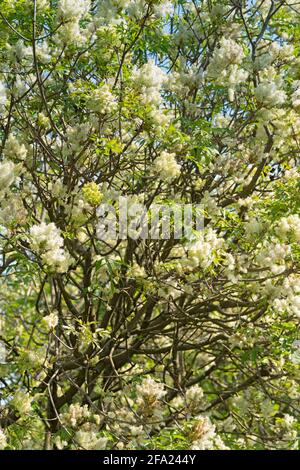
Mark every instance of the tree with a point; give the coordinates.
(149, 342)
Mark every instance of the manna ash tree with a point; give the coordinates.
(149, 343)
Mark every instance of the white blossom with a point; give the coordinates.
(273, 256)
(72, 9)
(51, 320)
(236, 75)
(75, 415)
(203, 250)
(3, 440)
(289, 225)
(166, 166)
(59, 443)
(57, 259)
(150, 391)
(194, 397)
(295, 355)
(229, 53)
(45, 237)
(203, 433)
(136, 8)
(18, 51)
(41, 4)
(70, 32)
(7, 174)
(163, 8)
(149, 80)
(47, 241)
(3, 95)
(288, 420)
(89, 440)
(102, 100)
(269, 53)
(20, 87)
(109, 12)
(183, 82)
(268, 94)
(14, 148)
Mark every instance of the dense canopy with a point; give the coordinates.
(130, 342)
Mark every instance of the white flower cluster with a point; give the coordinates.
(203, 435)
(289, 226)
(183, 82)
(268, 92)
(149, 392)
(3, 440)
(46, 240)
(102, 100)
(166, 166)
(45, 237)
(109, 12)
(236, 75)
(163, 8)
(289, 296)
(3, 95)
(170, 288)
(72, 9)
(222, 121)
(89, 440)
(43, 52)
(69, 13)
(149, 80)
(273, 257)
(70, 32)
(57, 260)
(126, 424)
(51, 320)
(137, 8)
(295, 355)
(204, 249)
(230, 266)
(75, 415)
(229, 53)
(18, 51)
(225, 65)
(296, 94)
(286, 428)
(253, 227)
(20, 86)
(76, 136)
(81, 417)
(7, 174)
(270, 52)
(194, 398)
(15, 149)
